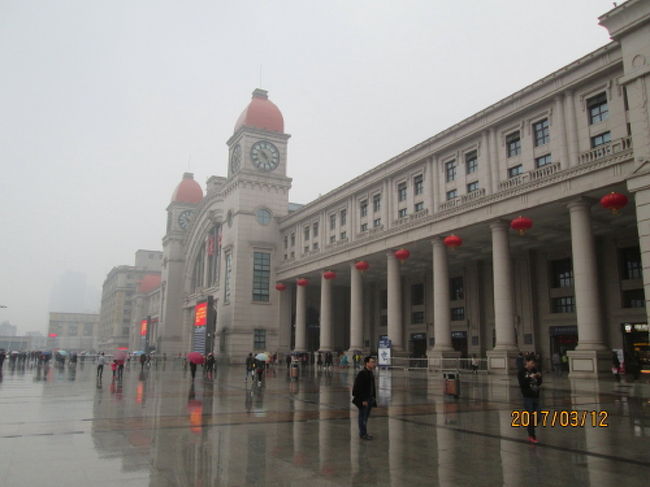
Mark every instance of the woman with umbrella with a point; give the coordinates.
(194, 358)
(260, 363)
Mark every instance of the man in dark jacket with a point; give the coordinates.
(530, 379)
(365, 395)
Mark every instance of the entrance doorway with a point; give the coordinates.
(636, 347)
(459, 342)
(563, 339)
(418, 345)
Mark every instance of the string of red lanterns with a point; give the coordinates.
(614, 202)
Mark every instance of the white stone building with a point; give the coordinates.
(572, 285)
(74, 332)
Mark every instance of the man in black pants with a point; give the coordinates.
(529, 381)
(365, 395)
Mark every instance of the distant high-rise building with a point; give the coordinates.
(71, 293)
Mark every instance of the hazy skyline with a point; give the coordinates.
(104, 105)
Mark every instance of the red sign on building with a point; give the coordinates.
(201, 314)
(143, 328)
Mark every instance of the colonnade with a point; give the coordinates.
(589, 357)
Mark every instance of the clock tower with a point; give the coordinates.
(180, 214)
(256, 197)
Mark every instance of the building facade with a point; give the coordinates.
(570, 288)
(75, 332)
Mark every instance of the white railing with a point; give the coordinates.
(606, 150)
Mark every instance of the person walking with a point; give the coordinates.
(143, 360)
(616, 366)
(250, 367)
(101, 361)
(193, 369)
(364, 395)
(530, 380)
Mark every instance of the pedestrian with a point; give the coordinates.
(210, 363)
(328, 360)
(101, 360)
(287, 359)
(114, 368)
(143, 360)
(474, 364)
(319, 361)
(364, 395)
(120, 369)
(616, 366)
(530, 380)
(193, 369)
(259, 369)
(250, 367)
(520, 361)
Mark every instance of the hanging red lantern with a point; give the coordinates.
(402, 254)
(521, 224)
(329, 275)
(302, 282)
(452, 241)
(614, 202)
(280, 286)
(362, 265)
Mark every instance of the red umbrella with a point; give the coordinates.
(195, 358)
(120, 356)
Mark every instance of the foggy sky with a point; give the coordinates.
(104, 105)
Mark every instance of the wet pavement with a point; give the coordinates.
(157, 429)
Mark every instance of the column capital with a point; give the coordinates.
(499, 225)
(581, 202)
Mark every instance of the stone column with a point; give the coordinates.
(501, 359)
(394, 291)
(640, 186)
(301, 319)
(586, 361)
(441, 312)
(356, 309)
(325, 314)
(284, 320)
(494, 170)
(571, 129)
(485, 161)
(559, 131)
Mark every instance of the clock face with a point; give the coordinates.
(265, 155)
(185, 218)
(235, 159)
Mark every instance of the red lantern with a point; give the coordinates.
(453, 241)
(280, 287)
(614, 202)
(329, 275)
(402, 254)
(521, 224)
(362, 265)
(302, 282)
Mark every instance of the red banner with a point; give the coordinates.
(201, 314)
(143, 328)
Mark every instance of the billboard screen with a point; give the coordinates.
(143, 328)
(201, 314)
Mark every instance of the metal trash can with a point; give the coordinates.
(451, 384)
(294, 370)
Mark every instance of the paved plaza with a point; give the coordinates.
(157, 429)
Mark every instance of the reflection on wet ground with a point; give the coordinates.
(157, 428)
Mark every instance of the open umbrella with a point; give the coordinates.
(120, 356)
(63, 353)
(263, 357)
(195, 358)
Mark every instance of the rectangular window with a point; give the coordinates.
(601, 139)
(259, 340)
(315, 230)
(473, 186)
(513, 144)
(418, 184)
(343, 217)
(633, 298)
(73, 330)
(306, 249)
(261, 276)
(293, 239)
(562, 273)
(315, 246)
(88, 329)
(417, 317)
(343, 235)
(401, 213)
(376, 203)
(332, 238)
(401, 192)
(307, 233)
(631, 263)
(541, 131)
(376, 222)
(364, 227)
(456, 288)
(452, 194)
(471, 162)
(450, 171)
(419, 206)
(597, 108)
(363, 207)
(458, 314)
(332, 221)
(515, 171)
(286, 241)
(228, 277)
(566, 304)
(543, 161)
(417, 294)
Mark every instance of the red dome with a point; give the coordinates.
(188, 191)
(261, 113)
(148, 283)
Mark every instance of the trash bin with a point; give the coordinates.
(451, 383)
(294, 370)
